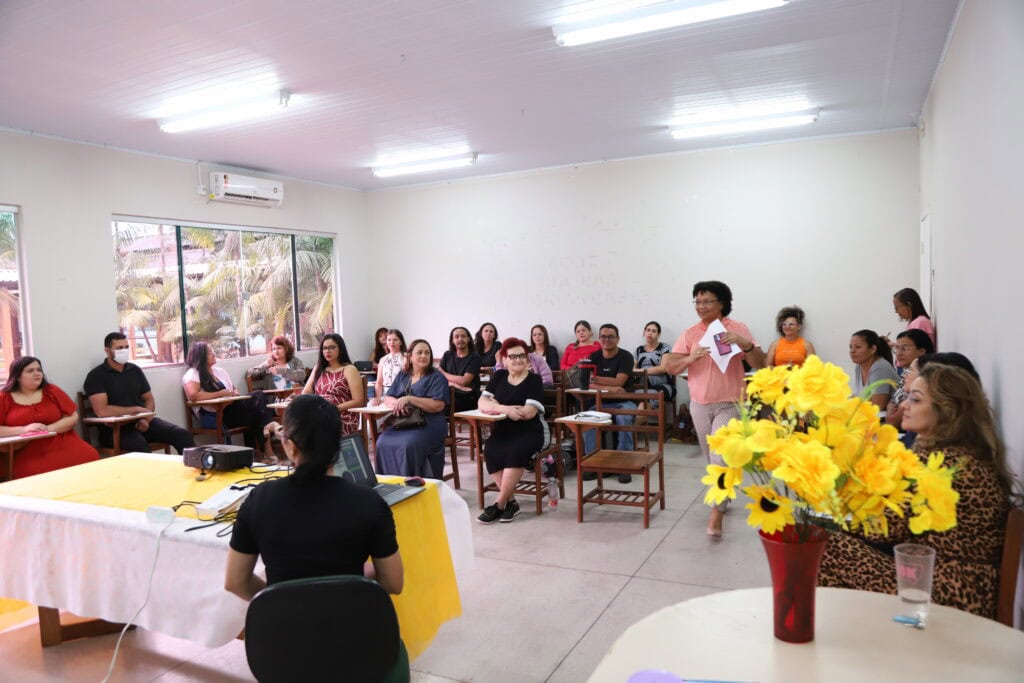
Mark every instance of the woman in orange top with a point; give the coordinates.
(790, 348)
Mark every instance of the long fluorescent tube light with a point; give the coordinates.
(650, 19)
(425, 166)
(744, 126)
(242, 111)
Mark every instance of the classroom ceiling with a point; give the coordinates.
(379, 78)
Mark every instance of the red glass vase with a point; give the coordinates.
(794, 557)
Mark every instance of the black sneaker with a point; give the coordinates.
(510, 511)
(625, 478)
(589, 476)
(489, 515)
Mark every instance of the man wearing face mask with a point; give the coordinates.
(117, 387)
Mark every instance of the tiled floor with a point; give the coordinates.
(546, 599)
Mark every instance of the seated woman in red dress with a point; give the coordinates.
(28, 403)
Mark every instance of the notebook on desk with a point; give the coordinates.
(354, 464)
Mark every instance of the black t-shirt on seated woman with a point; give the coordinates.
(325, 527)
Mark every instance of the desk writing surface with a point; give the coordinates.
(96, 510)
(114, 419)
(7, 440)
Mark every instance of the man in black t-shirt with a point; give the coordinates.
(614, 372)
(117, 387)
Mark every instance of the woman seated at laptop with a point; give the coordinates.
(311, 524)
(419, 388)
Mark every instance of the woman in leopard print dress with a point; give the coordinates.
(949, 412)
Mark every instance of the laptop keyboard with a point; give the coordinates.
(386, 489)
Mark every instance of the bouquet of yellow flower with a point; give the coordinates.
(812, 451)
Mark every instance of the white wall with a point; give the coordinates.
(831, 225)
(972, 149)
(67, 194)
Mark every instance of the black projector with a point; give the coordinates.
(218, 458)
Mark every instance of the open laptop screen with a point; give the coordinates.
(354, 462)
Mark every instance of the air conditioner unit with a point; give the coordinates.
(243, 189)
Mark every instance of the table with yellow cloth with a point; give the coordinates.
(78, 539)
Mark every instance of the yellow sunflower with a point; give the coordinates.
(768, 510)
(721, 483)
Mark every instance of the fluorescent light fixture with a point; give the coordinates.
(656, 17)
(425, 166)
(744, 125)
(228, 113)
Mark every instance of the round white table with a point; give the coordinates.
(728, 637)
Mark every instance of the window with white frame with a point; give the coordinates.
(12, 338)
(234, 288)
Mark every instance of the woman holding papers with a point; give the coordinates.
(712, 351)
(29, 404)
(518, 394)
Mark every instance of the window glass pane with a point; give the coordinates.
(148, 300)
(214, 297)
(11, 337)
(266, 277)
(314, 261)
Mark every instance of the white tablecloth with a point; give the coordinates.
(95, 561)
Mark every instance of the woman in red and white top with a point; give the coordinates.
(337, 379)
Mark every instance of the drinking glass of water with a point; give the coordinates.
(914, 566)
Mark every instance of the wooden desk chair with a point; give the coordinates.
(1009, 570)
(281, 394)
(220, 431)
(89, 430)
(605, 461)
(332, 628)
(453, 441)
(552, 445)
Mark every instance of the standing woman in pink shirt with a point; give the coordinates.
(713, 394)
(908, 306)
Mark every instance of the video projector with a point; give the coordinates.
(218, 457)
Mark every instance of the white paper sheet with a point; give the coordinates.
(708, 341)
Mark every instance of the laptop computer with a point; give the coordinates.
(354, 464)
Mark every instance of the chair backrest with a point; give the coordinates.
(363, 365)
(84, 411)
(1010, 568)
(333, 628)
(654, 421)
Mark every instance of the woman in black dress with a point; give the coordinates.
(518, 394)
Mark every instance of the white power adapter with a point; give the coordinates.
(156, 514)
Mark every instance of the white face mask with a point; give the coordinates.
(121, 356)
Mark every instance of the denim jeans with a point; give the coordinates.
(625, 439)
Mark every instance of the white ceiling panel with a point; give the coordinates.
(391, 77)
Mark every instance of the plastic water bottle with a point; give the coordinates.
(552, 492)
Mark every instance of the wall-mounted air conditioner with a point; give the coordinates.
(243, 189)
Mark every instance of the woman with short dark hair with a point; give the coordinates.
(28, 404)
(713, 394)
(311, 524)
(281, 370)
(948, 410)
(416, 451)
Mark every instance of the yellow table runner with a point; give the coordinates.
(430, 596)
